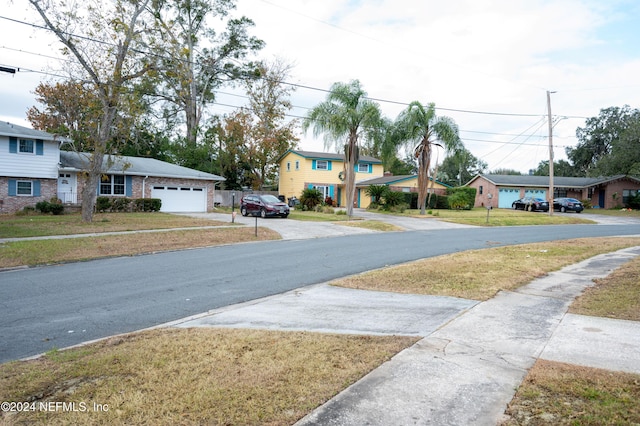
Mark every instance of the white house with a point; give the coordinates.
(33, 169)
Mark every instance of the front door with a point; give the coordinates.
(601, 198)
(67, 189)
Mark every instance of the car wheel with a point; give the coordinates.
(263, 213)
(243, 211)
(563, 209)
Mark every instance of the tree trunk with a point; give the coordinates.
(351, 158)
(424, 158)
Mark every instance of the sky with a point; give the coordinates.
(487, 64)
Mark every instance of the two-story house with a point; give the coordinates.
(28, 166)
(324, 171)
(33, 169)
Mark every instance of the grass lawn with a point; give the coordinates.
(37, 225)
(499, 217)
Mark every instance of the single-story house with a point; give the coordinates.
(603, 192)
(404, 183)
(324, 171)
(33, 169)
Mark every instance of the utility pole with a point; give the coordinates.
(550, 119)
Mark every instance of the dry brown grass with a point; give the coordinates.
(479, 274)
(40, 252)
(615, 296)
(555, 393)
(195, 376)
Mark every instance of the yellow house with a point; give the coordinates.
(325, 172)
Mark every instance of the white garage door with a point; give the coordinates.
(181, 198)
(506, 197)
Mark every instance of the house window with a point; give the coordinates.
(323, 189)
(26, 146)
(112, 185)
(480, 189)
(363, 168)
(322, 165)
(628, 195)
(24, 187)
(288, 166)
(297, 165)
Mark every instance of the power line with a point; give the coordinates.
(387, 101)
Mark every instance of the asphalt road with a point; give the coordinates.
(58, 306)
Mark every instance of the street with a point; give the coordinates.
(62, 305)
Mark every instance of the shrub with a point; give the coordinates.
(47, 207)
(329, 202)
(120, 204)
(377, 193)
(393, 199)
(634, 202)
(26, 210)
(43, 206)
(56, 208)
(310, 198)
(103, 204)
(462, 197)
(458, 201)
(147, 204)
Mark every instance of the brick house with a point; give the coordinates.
(603, 192)
(33, 169)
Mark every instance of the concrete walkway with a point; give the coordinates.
(472, 356)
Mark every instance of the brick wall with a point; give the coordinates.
(13, 204)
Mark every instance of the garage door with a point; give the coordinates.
(506, 197)
(536, 193)
(181, 198)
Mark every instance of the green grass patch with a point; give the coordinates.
(47, 251)
(555, 393)
(374, 225)
(313, 216)
(13, 226)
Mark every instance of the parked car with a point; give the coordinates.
(567, 205)
(531, 204)
(263, 205)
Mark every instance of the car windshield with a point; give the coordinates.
(572, 200)
(270, 199)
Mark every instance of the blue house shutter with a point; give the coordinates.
(328, 165)
(310, 186)
(36, 188)
(313, 164)
(12, 187)
(128, 186)
(331, 192)
(13, 145)
(39, 147)
(370, 168)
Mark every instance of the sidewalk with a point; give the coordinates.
(473, 355)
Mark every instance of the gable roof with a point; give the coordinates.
(329, 156)
(135, 166)
(390, 180)
(543, 181)
(13, 130)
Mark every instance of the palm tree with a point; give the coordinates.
(421, 126)
(345, 116)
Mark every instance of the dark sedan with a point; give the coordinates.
(568, 205)
(531, 204)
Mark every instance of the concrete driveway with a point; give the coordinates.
(291, 229)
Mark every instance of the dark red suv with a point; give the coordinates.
(263, 205)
